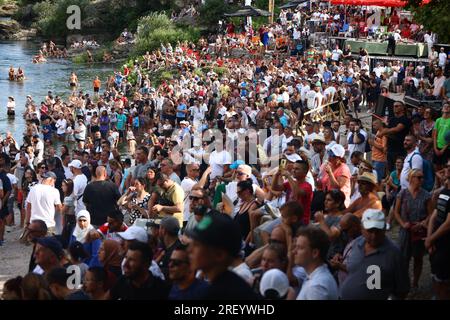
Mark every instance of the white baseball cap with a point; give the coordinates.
(337, 150)
(75, 164)
(373, 218)
(276, 280)
(134, 233)
(293, 157)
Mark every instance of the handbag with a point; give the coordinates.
(416, 235)
(419, 234)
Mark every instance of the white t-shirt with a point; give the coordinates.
(245, 273)
(330, 92)
(187, 185)
(40, 148)
(79, 184)
(319, 285)
(67, 172)
(311, 99)
(82, 132)
(217, 160)
(442, 59)
(61, 126)
(336, 54)
(43, 199)
(416, 163)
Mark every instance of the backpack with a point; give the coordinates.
(428, 172)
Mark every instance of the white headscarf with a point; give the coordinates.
(78, 233)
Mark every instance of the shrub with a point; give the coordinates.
(220, 71)
(80, 58)
(52, 17)
(157, 28)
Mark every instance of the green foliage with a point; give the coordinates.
(157, 28)
(434, 16)
(212, 11)
(52, 17)
(220, 71)
(80, 58)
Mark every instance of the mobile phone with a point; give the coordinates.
(283, 164)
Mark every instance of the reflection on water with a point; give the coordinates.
(40, 78)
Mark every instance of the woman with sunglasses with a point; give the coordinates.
(247, 203)
(135, 200)
(412, 211)
(41, 169)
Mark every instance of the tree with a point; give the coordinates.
(212, 11)
(434, 16)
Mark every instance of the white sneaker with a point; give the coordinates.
(388, 226)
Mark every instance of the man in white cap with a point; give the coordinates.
(376, 267)
(79, 184)
(137, 234)
(320, 156)
(41, 202)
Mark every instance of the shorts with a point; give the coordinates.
(121, 133)
(4, 212)
(441, 160)
(96, 89)
(61, 135)
(73, 84)
(79, 140)
(440, 265)
(11, 205)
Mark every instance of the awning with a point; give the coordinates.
(249, 11)
(292, 4)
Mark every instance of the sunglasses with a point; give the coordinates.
(239, 173)
(192, 198)
(177, 262)
(418, 177)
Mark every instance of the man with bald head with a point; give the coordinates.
(350, 226)
(100, 197)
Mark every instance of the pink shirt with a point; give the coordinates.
(341, 171)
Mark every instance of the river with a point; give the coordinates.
(40, 78)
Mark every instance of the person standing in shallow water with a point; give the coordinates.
(73, 81)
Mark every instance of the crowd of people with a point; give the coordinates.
(236, 184)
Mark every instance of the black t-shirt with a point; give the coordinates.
(395, 141)
(229, 286)
(443, 208)
(164, 263)
(153, 289)
(100, 198)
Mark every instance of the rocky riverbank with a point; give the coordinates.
(10, 29)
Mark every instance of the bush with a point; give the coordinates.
(220, 71)
(80, 58)
(212, 11)
(157, 28)
(52, 17)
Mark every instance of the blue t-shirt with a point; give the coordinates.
(48, 135)
(6, 187)
(284, 121)
(195, 291)
(118, 79)
(327, 76)
(136, 122)
(121, 120)
(348, 79)
(181, 107)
